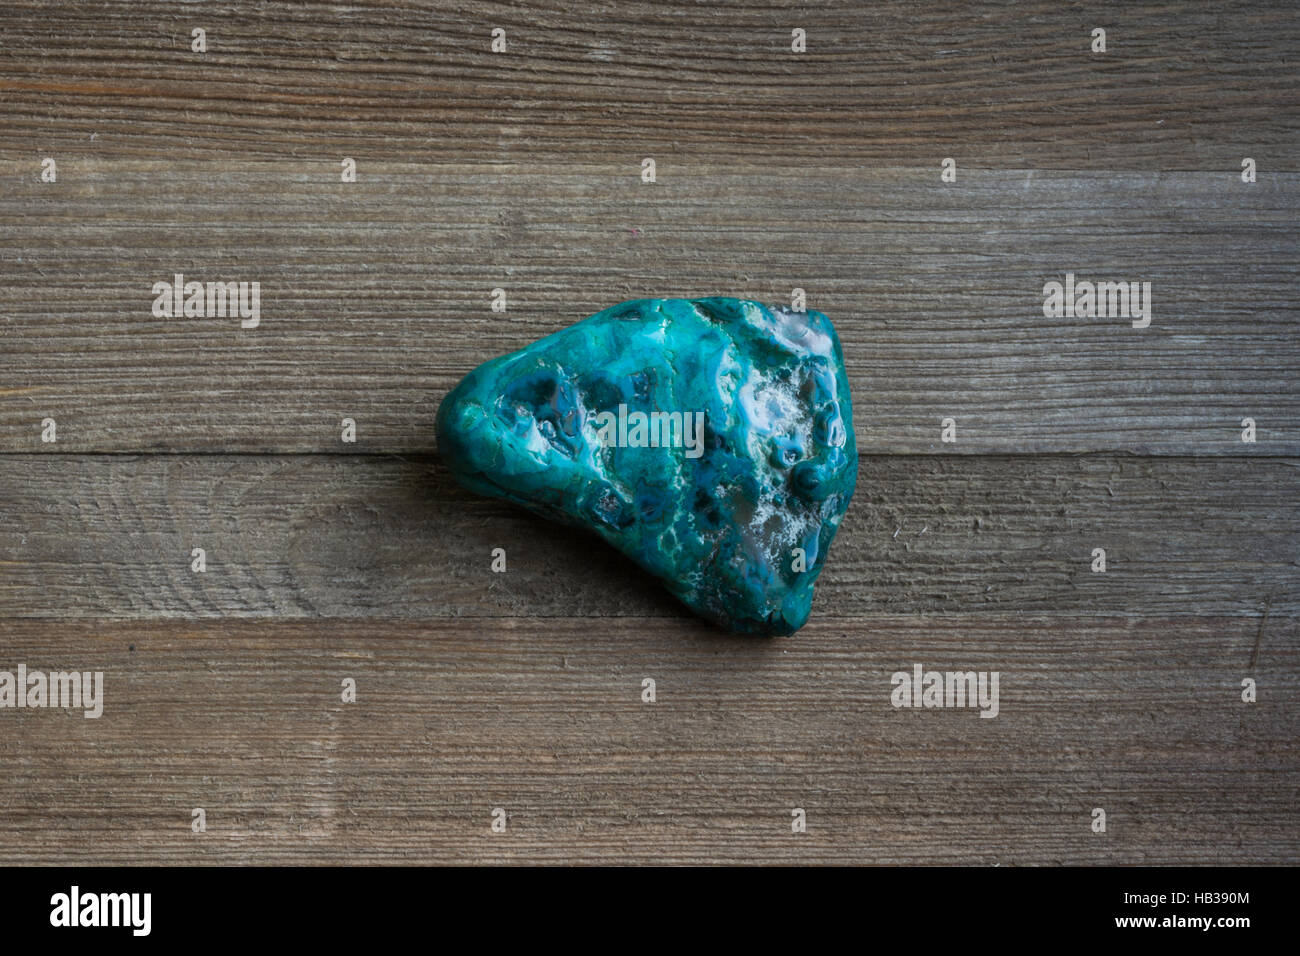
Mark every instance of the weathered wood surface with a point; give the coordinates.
(375, 296)
(522, 171)
(365, 536)
(1181, 86)
(453, 719)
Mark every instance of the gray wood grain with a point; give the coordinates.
(360, 537)
(1142, 718)
(1181, 86)
(375, 296)
(522, 690)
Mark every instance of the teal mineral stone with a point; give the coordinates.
(709, 440)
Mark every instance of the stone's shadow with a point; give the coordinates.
(403, 540)
(552, 570)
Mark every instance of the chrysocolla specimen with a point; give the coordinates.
(709, 440)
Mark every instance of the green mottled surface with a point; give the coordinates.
(777, 460)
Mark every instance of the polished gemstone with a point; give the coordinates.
(709, 440)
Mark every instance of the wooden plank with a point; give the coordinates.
(361, 537)
(889, 83)
(1141, 717)
(375, 296)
